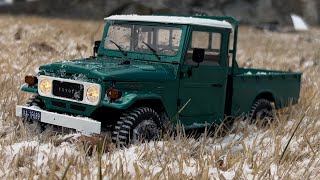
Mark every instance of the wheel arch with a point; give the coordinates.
(115, 110)
(155, 103)
(268, 96)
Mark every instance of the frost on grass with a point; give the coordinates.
(248, 152)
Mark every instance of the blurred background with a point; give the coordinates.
(38, 32)
(263, 13)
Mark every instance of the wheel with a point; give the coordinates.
(142, 123)
(261, 109)
(35, 101)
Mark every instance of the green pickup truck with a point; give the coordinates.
(149, 71)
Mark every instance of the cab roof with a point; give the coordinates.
(172, 20)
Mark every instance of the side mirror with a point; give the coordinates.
(198, 55)
(96, 47)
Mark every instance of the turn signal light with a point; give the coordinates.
(114, 94)
(31, 80)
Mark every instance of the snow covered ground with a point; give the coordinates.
(248, 152)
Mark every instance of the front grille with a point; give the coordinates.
(59, 104)
(67, 90)
(77, 107)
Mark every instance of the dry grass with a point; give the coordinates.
(247, 152)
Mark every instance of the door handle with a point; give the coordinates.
(216, 85)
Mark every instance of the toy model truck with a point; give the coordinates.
(146, 69)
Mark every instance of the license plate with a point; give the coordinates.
(31, 114)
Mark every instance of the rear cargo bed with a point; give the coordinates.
(250, 84)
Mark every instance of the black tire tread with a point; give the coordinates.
(128, 121)
(257, 106)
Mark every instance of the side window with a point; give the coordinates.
(210, 42)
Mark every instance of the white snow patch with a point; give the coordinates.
(172, 19)
(298, 23)
(261, 73)
(38, 153)
(153, 156)
(309, 63)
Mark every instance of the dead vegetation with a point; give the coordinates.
(288, 149)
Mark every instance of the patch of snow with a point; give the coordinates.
(261, 73)
(309, 63)
(36, 70)
(198, 125)
(38, 153)
(172, 19)
(129, 159)
(298, 23)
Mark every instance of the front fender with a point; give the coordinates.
(128, 99)
(28, 88)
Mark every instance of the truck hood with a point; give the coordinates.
(112, 69)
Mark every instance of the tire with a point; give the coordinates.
(142, 123)
(261, 109)
(35, 101)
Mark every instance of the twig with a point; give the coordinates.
(295, 130)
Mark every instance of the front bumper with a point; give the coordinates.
(78, 123)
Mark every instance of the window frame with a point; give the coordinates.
(149, 56)
(223, 33)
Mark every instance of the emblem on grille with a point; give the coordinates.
(68, 90)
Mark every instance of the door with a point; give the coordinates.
(204, 86)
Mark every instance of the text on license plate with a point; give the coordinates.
(31, 114)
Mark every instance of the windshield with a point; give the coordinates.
(150, 39)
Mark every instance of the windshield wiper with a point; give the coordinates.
(119, 47)
(152, 50)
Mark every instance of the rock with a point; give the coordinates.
(155, 5)
(265, 13)
(136, 8)
(310, 11)
(180, 6)
(163, 11)
(241, 10)
(318, 8)
(213, 12)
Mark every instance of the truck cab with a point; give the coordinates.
(177, 43)
(148, 71)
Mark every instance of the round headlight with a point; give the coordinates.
(93, 94)
(45, 86)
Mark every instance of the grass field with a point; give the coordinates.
(246, 152)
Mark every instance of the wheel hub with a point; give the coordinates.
(146, 130)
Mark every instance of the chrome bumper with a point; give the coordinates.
(78, 123)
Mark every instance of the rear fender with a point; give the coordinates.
(268, 95)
